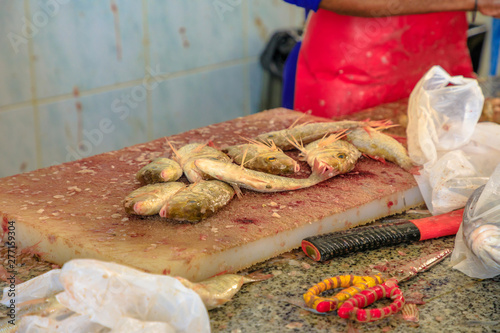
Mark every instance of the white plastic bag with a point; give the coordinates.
(456, 154)
(107, 297)
(477, 244)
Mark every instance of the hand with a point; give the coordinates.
(307, 4)
(488, 7)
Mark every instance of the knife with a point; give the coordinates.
(327, 246)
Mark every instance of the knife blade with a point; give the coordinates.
(327, 246)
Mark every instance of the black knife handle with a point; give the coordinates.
(328, 246)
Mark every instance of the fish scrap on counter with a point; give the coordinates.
(219, 289)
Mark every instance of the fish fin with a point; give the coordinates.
(242, 165)
(176, 153)
(398, 138)
(200, 147)
(326, 140)
(380, 125)
(210, 143)
(295, 123)
(376, 158)
(268, 144)
(296, 144)
(237, 190)
(410, 312)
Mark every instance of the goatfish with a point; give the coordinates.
(380, 146)
(198, 201)
(256, 180)
(330, 154)
(189, 153)
(159, 170)
(219, 289)
(265, 157)
(310, 132)
(149, 199)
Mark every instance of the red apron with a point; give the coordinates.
(347, 64)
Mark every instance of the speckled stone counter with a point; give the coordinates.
(448, 300)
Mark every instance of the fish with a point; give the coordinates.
(46, 306)
(189, 153)
(217, 290)
(198, 201)
(256, 180)
(380, 146)
(310, 132)
(330, 154)
(149, 199)
(265, 157)
(159, 170)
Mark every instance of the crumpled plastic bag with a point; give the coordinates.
(456, 154)
(107, 297)
(477, 243)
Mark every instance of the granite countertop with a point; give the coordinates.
(447, 300)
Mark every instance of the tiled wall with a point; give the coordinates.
(78, 78)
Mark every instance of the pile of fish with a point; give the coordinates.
(330, 149)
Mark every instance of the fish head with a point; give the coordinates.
(144, 208)
(341, 157)
(276, 162)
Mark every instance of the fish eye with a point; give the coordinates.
(271, 159)
(341, 155)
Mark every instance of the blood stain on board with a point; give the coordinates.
(245, 220)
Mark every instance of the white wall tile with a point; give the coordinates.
(14, 60)
(198, 100)
(17, 141)
(107, 121)
(79, 45)
(191, 34)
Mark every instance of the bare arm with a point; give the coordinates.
(379, 8)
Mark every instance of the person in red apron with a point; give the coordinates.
(349, 63)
